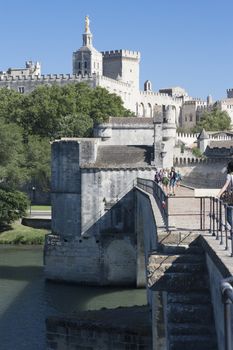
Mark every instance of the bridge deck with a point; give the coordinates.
(184, 210)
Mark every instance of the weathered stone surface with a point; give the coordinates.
(190, 298)
(176, 267)
(161, 258)
(174, 282)
(178, 237)
(116, 329)
(190, 342)
(180, 313)
(190, 329)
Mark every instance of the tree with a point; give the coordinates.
(75, 125)
(11, 106)
(37, 162)
(105, 104)
(13, 205)
(12, 156)
(214, 120)
(47, 109)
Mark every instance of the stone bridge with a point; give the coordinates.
(184, 263)
(185, 267)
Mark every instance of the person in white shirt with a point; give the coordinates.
(228, 185)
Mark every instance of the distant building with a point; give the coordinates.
(118, 71)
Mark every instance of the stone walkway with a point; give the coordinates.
(184, 210)
(184, 216)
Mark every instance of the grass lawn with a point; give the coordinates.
(41, 207)
(20, 234)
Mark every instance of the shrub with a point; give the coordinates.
(13, 205)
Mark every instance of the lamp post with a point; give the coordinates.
(33, 194)
(32, 199)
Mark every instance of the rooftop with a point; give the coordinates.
(122, 156)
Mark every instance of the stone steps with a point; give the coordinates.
(178, 237)
(178, 282)
(181, 313)
(190, 298)
(181, 249)
(179, 268)
(192, 342)
(190, 329)
(161, 258)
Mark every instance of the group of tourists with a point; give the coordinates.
(168, 179)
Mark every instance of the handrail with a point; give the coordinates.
(220, 228)
(159, 195)
(219, 225)
(227, 297)
(218, 213)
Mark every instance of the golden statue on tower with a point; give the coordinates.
(87, 24)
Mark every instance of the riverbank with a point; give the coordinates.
(20, 234)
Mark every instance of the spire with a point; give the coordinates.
(87, 36)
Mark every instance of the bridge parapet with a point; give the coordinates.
(205, 261)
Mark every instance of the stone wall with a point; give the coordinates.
(220, 266)
(107, 199)
(204, 174)
(119, 132)
(109, 260)
(117, 329)
(66, 188)
(148, 224)
(37, 223)
(29, 83)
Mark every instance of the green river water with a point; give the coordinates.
(26, 299)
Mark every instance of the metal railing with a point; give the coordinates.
(161, 198)
(221, 222)
(188, 213)
(200, 213)
(216, 217)
(227, 296)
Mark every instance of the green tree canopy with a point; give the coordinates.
(28, 122)
(37, 162)
(11, 105)
(13, 205)
(70, 110)
(214, 120)
(12, 156)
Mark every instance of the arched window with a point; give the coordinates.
(141, 111)
(149, 111)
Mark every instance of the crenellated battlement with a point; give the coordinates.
(122, 53)
(151, 93)
(183, 135)
(196, 101)
(47, 77)
(159, 94)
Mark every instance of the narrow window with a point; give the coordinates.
(21, 89)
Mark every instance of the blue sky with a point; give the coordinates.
(183, 43)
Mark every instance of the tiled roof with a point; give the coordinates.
(221, 144)
(122, 156)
